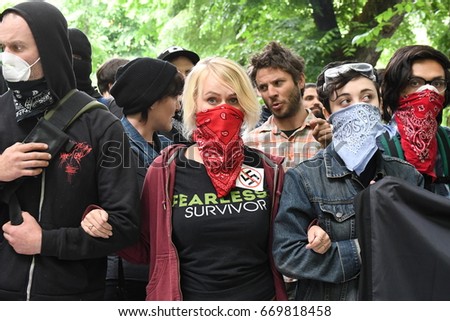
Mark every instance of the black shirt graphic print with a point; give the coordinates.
(221, 242)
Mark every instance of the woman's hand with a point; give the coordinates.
(95, 223)
(318, 239)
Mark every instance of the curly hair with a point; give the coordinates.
(274, 55)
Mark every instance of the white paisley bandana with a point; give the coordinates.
(355, 132)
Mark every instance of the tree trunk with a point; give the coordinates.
(325, 21)
(323, 15)
(369, 53)
(367, 17)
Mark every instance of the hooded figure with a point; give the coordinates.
(48, 256)
(49, 28)
(82, 61)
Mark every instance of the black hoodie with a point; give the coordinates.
(82, 61)
(97, 171)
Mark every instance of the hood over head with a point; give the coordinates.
(82, 61)
(49, 28)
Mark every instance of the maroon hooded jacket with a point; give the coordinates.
(155, 246)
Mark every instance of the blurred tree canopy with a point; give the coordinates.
(319, 30)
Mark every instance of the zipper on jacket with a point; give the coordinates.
(30, 279)
(41, 202)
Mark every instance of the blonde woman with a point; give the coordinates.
(208, 207)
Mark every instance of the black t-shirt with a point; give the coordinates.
(222, 243)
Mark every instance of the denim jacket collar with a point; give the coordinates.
(335, 166)
(142, 148)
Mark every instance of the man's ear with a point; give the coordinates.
(301, 83)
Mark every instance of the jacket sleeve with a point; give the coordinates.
(155, 235)
(339, 264)
(139, 252)
(115, 190)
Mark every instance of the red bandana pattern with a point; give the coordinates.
(221, 146)
(417, 125)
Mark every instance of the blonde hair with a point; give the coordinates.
(230, 74)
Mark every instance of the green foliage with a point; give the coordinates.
(237, 29)
(121, 28)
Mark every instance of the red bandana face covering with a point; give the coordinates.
(417, 125)
(221, 146)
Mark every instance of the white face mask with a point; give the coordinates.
(15, 68)
(427, 86)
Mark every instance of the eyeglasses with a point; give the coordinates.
(439, 84)
(364, 68)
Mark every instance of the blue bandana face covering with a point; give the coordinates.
(355, 132)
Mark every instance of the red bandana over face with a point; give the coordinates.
(417, 125)
(221, 146)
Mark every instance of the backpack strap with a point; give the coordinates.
(392, 146)
(72, 106)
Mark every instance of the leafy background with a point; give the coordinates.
(319, 30)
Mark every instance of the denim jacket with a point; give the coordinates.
(323, 188)
(140, 146)
(142, 149)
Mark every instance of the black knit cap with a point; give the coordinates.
(141, 82)
(173, 52)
